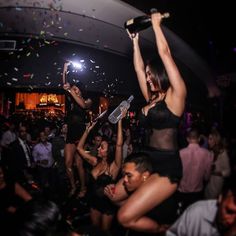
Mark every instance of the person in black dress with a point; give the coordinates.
(104, 172)
(76, 118)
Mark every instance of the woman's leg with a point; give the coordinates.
(150, 194)
(81, 172)
(96, 217)
(69, 157)
(106, 222)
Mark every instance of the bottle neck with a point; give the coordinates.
(129, 100)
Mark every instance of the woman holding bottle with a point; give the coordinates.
(164, 91)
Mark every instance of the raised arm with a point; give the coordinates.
(139, 65)
(64, 73)
(116, 165)
(80, 147)
(177, 86)
(74, 90)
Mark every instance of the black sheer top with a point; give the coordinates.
(163, 125)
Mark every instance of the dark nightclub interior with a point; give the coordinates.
(37, 38)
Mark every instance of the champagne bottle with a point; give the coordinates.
(116, 115)
(137, 24)
(140, 23)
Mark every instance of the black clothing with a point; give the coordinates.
(160, 117)
(7, 197)
(97, 199)
(17, 161)
(165, 155)
(166, 163)
(166, 212)
(76, 118)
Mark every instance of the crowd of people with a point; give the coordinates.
(158, 186)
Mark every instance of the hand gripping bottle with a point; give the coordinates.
(116, 115)
(140, 23)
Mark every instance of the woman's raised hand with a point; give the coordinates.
(66, 86)
(133, 36)
(90, 125)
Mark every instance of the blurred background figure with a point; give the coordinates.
(220, 167)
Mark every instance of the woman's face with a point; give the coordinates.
(103, 149)
(211, 141)
(150, 78)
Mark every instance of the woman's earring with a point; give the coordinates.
(144, 178)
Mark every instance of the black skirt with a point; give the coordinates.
(165, 163)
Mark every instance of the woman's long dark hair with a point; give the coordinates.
(158, 70)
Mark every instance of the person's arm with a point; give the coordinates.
(74, 91)
(22, 193)
(64, 73)
(116, 165)
(139, 65)
(177, 85)
(78, 97)
(80, 147)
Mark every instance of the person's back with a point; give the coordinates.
(197, 162)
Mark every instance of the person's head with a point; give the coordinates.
(37, 218)
(136, 169)
(42, 137)
(12, 126)
(47, 130)
(193, 136)
(97, 139)
(105, 150)
(156, 76)
(64, 129)
(226, 215)
(22, 132)
(215, 141)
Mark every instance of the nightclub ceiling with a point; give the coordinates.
(47, 33)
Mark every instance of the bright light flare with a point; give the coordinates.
(77, 65)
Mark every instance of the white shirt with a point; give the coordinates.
(43, 152)
(197, 220)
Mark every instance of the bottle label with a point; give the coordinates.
(130, 22)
